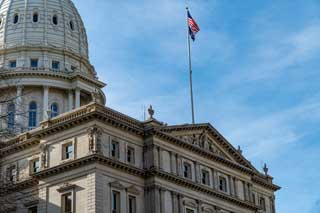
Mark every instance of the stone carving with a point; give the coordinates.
(44, 154)
(94, 134)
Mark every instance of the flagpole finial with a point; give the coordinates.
(187, 8)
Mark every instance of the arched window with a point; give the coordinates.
(71, 25)
(15, 18)
(35, 17)
(55, 19)
(32, 115)
(54, 110)
(11, 114)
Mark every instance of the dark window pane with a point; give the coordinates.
(15, 18)
(35, 17)
(55, 20)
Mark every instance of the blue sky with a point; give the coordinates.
(256, 76)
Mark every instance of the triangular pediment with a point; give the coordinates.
(205, 136)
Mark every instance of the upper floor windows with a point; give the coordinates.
(67, 203)
(13, 64)
(11, 115)
(132, 204)
(35, 17)
(16, 18)
(11, 173)
(34, 166)
(55, 65)
(262, 203)
(55, 19)
(67, 151)
(205, 177)
(115, 149)
(223, 184)
(187, 170)
(130, 155)
(34, 62)
(71, 25)
(115, 202)
(54, 110)
(32, 115)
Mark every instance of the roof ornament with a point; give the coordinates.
(265, 169)
(151, 112)
(239, 149)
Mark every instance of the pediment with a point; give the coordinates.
(205, 136)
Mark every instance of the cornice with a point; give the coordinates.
(200, 151)
(19, 144)
(21, 185)
(262, 182)
(197, 187)
(23, 72)
(97, 158)
(215, 133)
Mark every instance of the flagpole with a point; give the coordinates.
(190, 69)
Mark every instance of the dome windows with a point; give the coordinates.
(55, 19)
(55, 65)
(71, 25)
(35, 17)
(16, 18)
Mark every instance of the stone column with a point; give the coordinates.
(175, 202)
(19, 108)
(70, 100)
(180, 201)
(77, 104)
(157, 203)
(160, 158)
(235, 188)
(179, 165)
(231, 186)
(197, 172)
(45, 102)
(216, 180)
(199, 206)
(162, 200)
(155, 157)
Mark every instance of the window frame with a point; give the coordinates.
(205, 180)
(223, 188)
(262, 204)
(190, 209)
(57, 63)
(116, 152)
(31, 208)
(117, 204)
(187, 173)
(32, 115)
(12, 62)
(55, 20)
(63, 205)
(16, 18)
(65, 156)
(35, 14)
(34, 62)
(32, 167)
(134, 198)
(56, 112)
(132, 158)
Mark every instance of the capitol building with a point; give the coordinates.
(63, 151)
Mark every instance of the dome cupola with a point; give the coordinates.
(44, 62)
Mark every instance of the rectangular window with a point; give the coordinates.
(67, 151)
(67, 203)
(34, 62)
(205, 177)
(34, 165)
(189, 211)
(13, 64)
(223, 184)
(33, 209)
(115, 202)
(11, 173)
(73, 68)
(55, 65)
(263, 203)
(115, 150)
(253, 198)
(132, 204)
(130, 155)
(187, 170)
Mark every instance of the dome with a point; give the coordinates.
(42, 23)
(44, 64)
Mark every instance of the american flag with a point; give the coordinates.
(193, 27)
